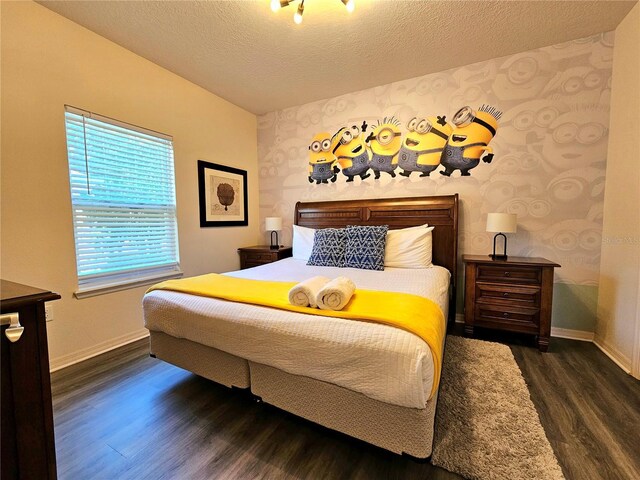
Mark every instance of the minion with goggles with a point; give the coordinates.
(321, 161)
(470, 139)
(423, 145)
(385, 142)
(351, 151)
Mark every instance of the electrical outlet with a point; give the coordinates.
(48, 312)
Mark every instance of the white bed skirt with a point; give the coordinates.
(397, 429)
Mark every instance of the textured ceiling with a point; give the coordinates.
(262, 61)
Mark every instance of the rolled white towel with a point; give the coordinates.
(304, 294)
(336, 294)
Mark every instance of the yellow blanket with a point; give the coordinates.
(412, 313)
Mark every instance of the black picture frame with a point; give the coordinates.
(213, 210)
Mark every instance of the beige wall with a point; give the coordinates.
(48, 61)
(549, 165)
(618, 300)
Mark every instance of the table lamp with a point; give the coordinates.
(501, 223)
(273, 224)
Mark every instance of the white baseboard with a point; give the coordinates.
(86, 353)
(614, 355)
(572, 334)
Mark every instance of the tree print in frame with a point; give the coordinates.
(223, 195)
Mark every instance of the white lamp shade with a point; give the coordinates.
(273, 224)
(502, 222)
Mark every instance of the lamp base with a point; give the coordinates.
(503, 255)
(274, 244)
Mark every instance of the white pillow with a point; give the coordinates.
(409, 247)
(302, 242)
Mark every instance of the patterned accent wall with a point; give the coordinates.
(549, 165)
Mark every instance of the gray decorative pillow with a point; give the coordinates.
(328, 247)
(365, 247)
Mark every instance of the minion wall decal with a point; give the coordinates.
(423, 144)
(349, 147)
(322, 162)
(428, 143)
(385, 142)
(470, 139)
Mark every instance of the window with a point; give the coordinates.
(124, 203)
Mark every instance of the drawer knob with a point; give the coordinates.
(505, 315)
(505, 294)
(506, 274)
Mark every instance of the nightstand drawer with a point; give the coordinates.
(508, 295)
(511, 294)
(251, 264)
(259, 257)
(509, 274)
(525, 320)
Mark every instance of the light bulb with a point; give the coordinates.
(275, 5)
(351, 6)
(297, 17)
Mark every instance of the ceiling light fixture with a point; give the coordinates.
(350, 4)
(278, 4)
(297, 17)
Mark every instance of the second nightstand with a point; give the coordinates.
(261, 254)
(513, 294)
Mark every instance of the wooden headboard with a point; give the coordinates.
(439, 211)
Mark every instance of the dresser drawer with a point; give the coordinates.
(259, 257)
(505, 317)
(509, 274)
(508, 295)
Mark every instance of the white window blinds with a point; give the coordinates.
(124, 204)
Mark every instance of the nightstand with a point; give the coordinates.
(513, 294)
(261, 255)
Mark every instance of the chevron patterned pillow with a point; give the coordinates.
(328, 247)
(365, 247)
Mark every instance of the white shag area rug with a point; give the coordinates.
(486, 424)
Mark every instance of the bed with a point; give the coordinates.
(367, 380)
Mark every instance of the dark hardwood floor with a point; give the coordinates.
(124, 415)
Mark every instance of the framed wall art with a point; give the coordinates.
(223, 195)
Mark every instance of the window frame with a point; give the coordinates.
(89, 285)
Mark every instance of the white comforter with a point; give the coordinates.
(382, 362)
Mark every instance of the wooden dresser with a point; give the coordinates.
(28, 449)
(262, 254)
(513, 294)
